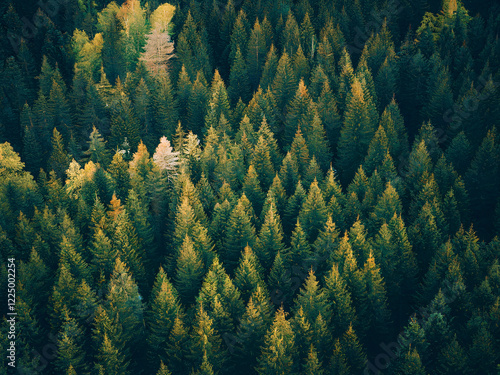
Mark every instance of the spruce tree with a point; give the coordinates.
(284, 83)
(240, 233)
(270, 240)
(189, 272)
(313, 213)
(239, 86)
(248, 275)
(59, 158)
(359, 124)
(256, 54)
(252, 329)
(277, 353)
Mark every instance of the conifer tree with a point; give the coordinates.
(59, 158)
(218, 104)
(270, 240)
(277, 354)
(270, 68)
(252, 189)
(220, 298)
(354, 353)
(189, 272)
(482, 181)
(197, 104)
(177, 348)
(359, 124)
(261, 161)
(338, 361)
(165, 107)
(252, 329)
(70, 352)
(124, 124)
(284, 82)
(240, 233)
(31, 150)
(289, 174)
(313, 214)
(110, 360)
(239, 86)
(376, 298)
(256, 54)
(300, 113)
(299, 152)
(300, 250)
(248, 275)
(164, 308)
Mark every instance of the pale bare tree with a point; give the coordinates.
(158, 51)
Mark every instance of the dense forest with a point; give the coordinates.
(250, 187)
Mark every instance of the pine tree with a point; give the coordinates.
(239, 86)
(218, 104)
(270, 69)
(205, 341)
(32, 151)
(338, 361)
(376, 298)
(70, 353)
(164, 308)
(313, 214)
(252, 189)
(299, 253)
(411, 364)
(165, 107)
(284, 82)
(124, 124)
(261, 160)
(158, 51)
(359, 124)
(301, 65)
(192, 50)
(59, 158)
(376, 151)
(197, 104)
(459, 153)
(289, 174)
(220, 298)
(482, 182)
(256, 53)
(299, 152)
(124, 307)
(177, 348)
(240, 233)
(189, 272)
(270, 240)
(248, 275)
(300, 113)
(354, 353)
(279, 281)
(252, 330)
(277, 354)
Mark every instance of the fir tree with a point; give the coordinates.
(240, 233)
(189, 272)
(239, 86)
(270, 240)
(277, 354)
(59, 158)
(313, 213)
